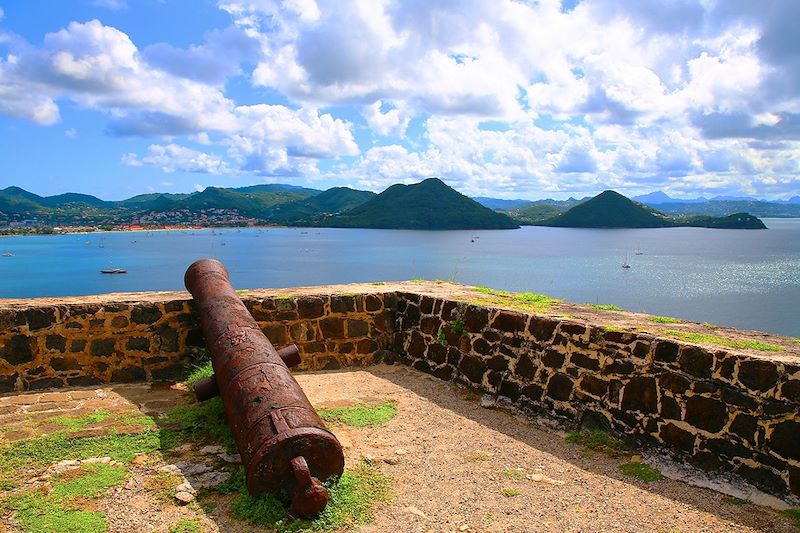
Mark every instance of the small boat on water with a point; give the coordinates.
(113, 271)
(627, 263)
(8, 254)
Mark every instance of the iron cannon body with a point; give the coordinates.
(281, 439)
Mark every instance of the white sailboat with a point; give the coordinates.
(627, 263)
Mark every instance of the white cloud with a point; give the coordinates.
(172, 157)
(71, 133)
(392, 121)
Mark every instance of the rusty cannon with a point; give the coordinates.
(283, 443)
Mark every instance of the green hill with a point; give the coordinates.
(610, 209)
(530, 216)
(429, 204)
(315, 209)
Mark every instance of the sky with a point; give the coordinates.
(502, 98)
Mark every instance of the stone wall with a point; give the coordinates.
(722, 411)
(47, 345)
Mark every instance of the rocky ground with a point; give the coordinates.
(457, 463)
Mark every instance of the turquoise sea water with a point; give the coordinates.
(746, 279)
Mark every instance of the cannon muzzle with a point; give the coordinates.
(283, 443)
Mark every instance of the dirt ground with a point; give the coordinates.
(450, 460)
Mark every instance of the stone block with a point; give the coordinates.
(763, 477)
(542, 328)
(476, 319)
(45, 383)
(39, 318)
(497, 363)
(61, 364)
(146, 313)
(790, 391)
(677, 438)
(670, 408)
(310, 307)
(560, 387)
(674, 382)
(785, 440)
(128, 374)
(343, 304)
(17, 350)
(593, 385)
(430, 325)
(276, 333)
(525, 368)
(332, 328)
(509, 322)
(373, 303)
(706, 413)
(120, 322)
(139, 344)
(758, 375)
(102, 347)
(437, 353)
(745, 426)
(584, 361)
(640, 394)
(77, 345)
(665, 351)
(552, 359)
(473, 369)
(696, 361)
(56, 343)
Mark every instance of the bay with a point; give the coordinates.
(745, 279)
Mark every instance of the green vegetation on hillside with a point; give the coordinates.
(429, 204)
(610, 209)
(315, 209)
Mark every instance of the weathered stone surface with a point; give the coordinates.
(497, 363)
(39, 318)
(592, 385)
(666, 352)
(785, 440)
(553, 359)
(61, 364)
(128, 374)
(670, 408)
(77, 345)
(542, 328)
(572, 329)
(56, 342)
(437, 353)
(145, 314)
(673, 382)
(332, 328)
(758, 375)
(696, 361)
(525, 369)
(745, 426)
(45, 383)
(102, 347)
(560, 387)
(141, 344)
(343, 304)
(476, 319)
(473, 368)
(706, 413)
(763, 477)
(640, 394)
(120, 322)
(168, 338)
(584, 361)
(677, 437)
(373, 303)
(481, 347)
(8, 382)
(791, 391)
(17, 350)
(509, 321)
(311, 307)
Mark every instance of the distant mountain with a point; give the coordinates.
(728, 207)
(530, 216)
(660, 197)
(502, 205)
(610, 209)
(278, 187)
(429, 204)
(72, 199)
(316, 208)
(793, 200)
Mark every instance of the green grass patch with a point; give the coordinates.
(60, 510)
(163, 485)
(510, 493)
(600, 441)
(360, 415)
(488, 290)
(378, 283)
(40, 451)
(613, 328)
(77, 423)
(241, 292)
(663, 320)
(97, 480)
(199, 372)
(641, 471)
(705, 338)
(730, 500)
(793, 515)
(513, 473)
(352, 501)
(607, 307)
(186, 526)
(201, 422)
(417, 280)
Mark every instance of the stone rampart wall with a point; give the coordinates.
(720, 410)
(724, 411)
(47, 346)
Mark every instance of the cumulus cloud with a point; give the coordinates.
(172, 157)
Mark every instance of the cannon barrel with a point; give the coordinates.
(282, 440)
(207, 388)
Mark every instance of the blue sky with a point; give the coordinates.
(499, 98)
